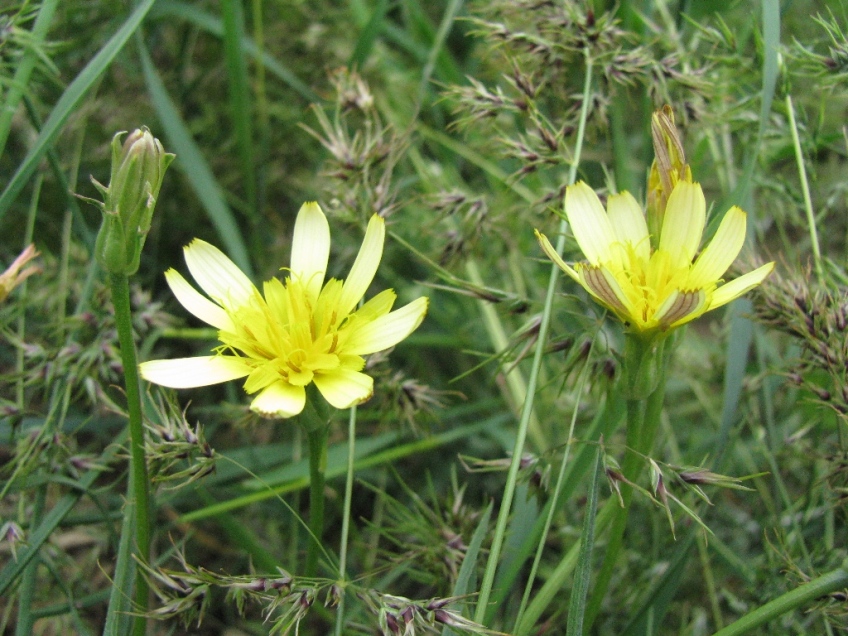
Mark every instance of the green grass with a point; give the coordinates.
(461, 123)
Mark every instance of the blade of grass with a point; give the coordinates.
(792, 600)
(577, 603)
(209, 23)
(438, 45)
(68, 103)
(368, 36)
(17, 87)
(239, 93)
(194, 166)
(469, 562)
(39, 535)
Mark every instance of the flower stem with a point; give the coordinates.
(643, 417)
(317, 438)
(137, 490)
(351, 448)
(527, 410)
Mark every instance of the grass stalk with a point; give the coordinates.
(792, 600)
(138, 487)
(805, 189)
(521, 434)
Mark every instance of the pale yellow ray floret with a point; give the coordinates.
(654, 289)
(297, 331)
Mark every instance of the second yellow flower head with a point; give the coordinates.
(654, 289)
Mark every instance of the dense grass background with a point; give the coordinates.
(457, 122)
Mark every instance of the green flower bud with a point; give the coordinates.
(138, 167)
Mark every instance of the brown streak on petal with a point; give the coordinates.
(596, 280)
(686, 303)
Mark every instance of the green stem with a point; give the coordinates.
(138, 487)
(527, 410)
(351, 448)
(825, 584)
(29, 579)
(805, 189)
(643, 418)
(317, 439)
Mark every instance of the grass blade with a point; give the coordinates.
(577, 604)
(40, 534)
(469, 563)
(213, 25)
(25, 68)
(194, 165)
(369, 34)
(240, 108)
(69, 101)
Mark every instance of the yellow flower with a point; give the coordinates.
(654, 289)
(301, 331)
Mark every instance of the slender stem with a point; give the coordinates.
(825, 584)
(805, 189)
(29, 579)
(527, 410)
(138, 490)
(351, 448)
(317, 439)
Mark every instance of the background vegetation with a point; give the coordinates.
(457, 122)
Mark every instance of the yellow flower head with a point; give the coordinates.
(300, 331)
(654, 289)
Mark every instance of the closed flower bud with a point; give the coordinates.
(138, 167)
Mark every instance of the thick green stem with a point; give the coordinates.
(800, 596)
(138, 490)
(317, 438)
(643, 417)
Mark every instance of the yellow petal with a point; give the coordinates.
(735, 288)
(683, 223)
(628, 222)
(713, 262)
(187, 373)
(589, 222)
(386, 331)
(196, 303)
(279, 400)
(549, 249)
(217, 275)
(310, 248)
(365, 265)
(343, 388)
